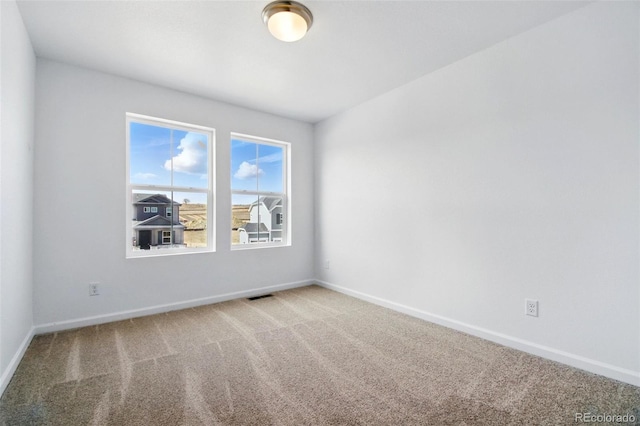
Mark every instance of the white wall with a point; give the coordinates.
(511, 174)
(17, 79)
(79, 216)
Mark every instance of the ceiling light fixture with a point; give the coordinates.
(287, 20)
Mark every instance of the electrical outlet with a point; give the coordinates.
(326, 264)
(531, 307)
(94, 289)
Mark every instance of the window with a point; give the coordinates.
(166, 237)
(259, 192)
(170, 169)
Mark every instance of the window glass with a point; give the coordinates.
(170, 187)
(259, 196)
(149, 148)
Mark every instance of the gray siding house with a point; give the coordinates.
(156, 222)
(265, 221)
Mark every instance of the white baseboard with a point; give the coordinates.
(573, 360)
(151, 310)
(583, 363)
(7, 374)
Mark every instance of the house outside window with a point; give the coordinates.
(168, 161)
(260, 189)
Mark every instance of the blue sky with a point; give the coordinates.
(157, 151)
(256, 167)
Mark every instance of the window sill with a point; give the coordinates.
(136, 254)
(252, 246)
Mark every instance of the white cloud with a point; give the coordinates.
(145, 176)
(247, 170)
(192, 158)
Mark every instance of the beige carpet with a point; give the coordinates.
(302, 357)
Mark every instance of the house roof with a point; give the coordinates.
(252, 227)
(157, 221)
(139, 198)
(269, 202)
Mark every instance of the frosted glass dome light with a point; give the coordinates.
(287, 20)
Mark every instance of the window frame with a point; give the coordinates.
(209, 191)
(285, 239)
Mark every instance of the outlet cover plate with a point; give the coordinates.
(94, 289)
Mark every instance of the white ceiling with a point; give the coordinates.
(355, 50)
